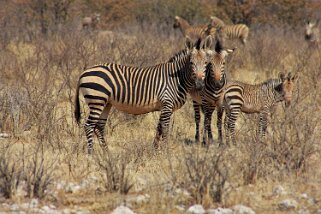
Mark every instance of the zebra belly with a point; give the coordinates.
(246, 108)
(137, 109)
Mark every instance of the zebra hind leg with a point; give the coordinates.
(100, 127)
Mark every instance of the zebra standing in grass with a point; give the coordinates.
(238, 96)
(207, 99)
(312, 34)
(237, 31)
(135, 90)
(194, 32)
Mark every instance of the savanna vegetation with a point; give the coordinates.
(43, 51)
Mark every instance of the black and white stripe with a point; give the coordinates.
(242, 97)
(135, 90)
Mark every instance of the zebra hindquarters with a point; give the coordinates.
(163, 124)
(197, 116)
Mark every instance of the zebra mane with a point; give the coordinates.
(178, 56)
(271, 83)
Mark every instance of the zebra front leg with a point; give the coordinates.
(197, 115)
(208, 111)
(220, 111)
(262, 125)
(162, 127)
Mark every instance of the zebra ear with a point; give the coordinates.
(218, 46)
(207, 42)
(295, 77)
(189, 43)
(282, 76)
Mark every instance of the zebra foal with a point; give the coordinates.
(241, 97)
(135, 90)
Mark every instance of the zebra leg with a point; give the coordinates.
(231, 123)
(162, 127)
(100, 127)
(219, 125)
(262, 125)
(197, 115)
(207, 125)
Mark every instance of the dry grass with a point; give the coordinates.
(49, 144)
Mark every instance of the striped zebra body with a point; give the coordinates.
(135, 90)
(232, 32)
(207, 99)
(241, 97)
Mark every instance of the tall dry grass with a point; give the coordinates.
(38, 81)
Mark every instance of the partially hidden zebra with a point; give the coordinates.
(242, 97)
(312, 34)
(206, 100)
(231, 32)
(193, 31)
(136, 90)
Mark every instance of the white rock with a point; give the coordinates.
(220, 211)
(14, 207)
(142, 198)
(34, 203)
(304, 210)
(66, 211)
(72, 188)
(195, 209)
(304, 196)
(241, 209)
(288, 204)
(122, 210)
(180, 208)
(83, 212)
(279, 190)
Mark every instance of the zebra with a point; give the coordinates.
(206, 99)
(194, 32)
(312, 34)
(237, 31)
(248, 98)
(136, 90)
(90, 22)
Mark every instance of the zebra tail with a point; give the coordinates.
(77, 113)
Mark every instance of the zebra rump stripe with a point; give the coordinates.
(135, 90)
(258, 98)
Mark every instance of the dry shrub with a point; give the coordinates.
(203, 172)
(115, 171)
(10, 172)
(39, 173)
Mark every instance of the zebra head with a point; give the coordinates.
(286, 87)
(217, 62)
(309, 30)
(200, 54)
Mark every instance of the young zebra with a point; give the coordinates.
(238, 96)
(312, 34)
(194, 32)
(237, 31)
(135, 90)
(207, 99)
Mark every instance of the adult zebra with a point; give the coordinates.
(135, 90)
(208, 98)
(312, 34)
(239, 96)
(193, 31)
(237, 31)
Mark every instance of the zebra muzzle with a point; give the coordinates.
(199, 84)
